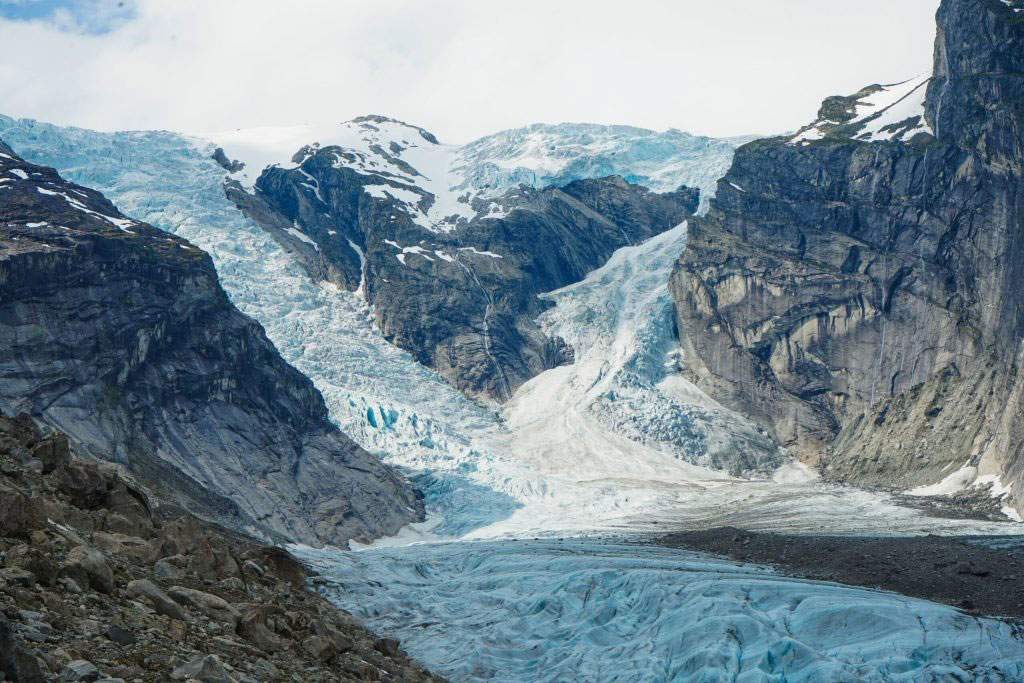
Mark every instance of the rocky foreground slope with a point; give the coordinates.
(120, 335)
(97, 585)
(857, 288)
(451, 269)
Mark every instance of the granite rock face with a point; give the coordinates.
(857, 288)
(452, 274)
(120, 335)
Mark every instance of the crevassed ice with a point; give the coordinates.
(542, 155)
(578, 610)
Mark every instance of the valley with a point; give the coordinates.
(569, 401)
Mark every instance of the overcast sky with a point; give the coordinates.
(461, 68)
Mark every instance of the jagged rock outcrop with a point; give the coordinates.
(857, 288)
(452, 274)
(120, 335)
(177, 598)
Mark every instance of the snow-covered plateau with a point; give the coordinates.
(613, 445)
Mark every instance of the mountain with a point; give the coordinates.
(856, 288)
(451, 270)
(120, 335)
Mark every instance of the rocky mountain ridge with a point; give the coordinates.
(120, 335)
(856, 288)
(452, 273)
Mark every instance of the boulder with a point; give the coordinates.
(388, 647)
(8, 664)
(88, 567)
(20, 514)
(208, 557)
(205, 669)
(257, 626)
(121, 544)
(213, 606)
(320, 648)
(34, 560)
(160, 601)
(53, 452)
(80, 670)
(86, 484)
(168, 568)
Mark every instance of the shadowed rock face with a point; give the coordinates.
(858, 288)
(461, 297)
(120, 335)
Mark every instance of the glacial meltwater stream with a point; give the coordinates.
(529, 567)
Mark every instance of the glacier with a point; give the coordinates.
(545, 155)
(593, 610)
(614, 445)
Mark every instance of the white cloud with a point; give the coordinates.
(463, 68)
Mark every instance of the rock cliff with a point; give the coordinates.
(120, 335)
(452, 272)
(856, 288)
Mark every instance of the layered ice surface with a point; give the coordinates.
(576, 610)
(616, 443)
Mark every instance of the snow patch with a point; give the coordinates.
(879, 114)
(301, 236)
(474, 250)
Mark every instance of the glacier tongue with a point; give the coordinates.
(578, 610)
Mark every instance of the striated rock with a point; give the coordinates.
(120, 335)
(856, 288)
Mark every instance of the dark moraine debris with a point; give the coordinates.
(961, 572)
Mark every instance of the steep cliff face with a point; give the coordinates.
(452, 272)
(120, 335)
(856, 288)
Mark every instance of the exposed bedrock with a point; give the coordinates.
(859, 288)
(120, 335)
(461, 294)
